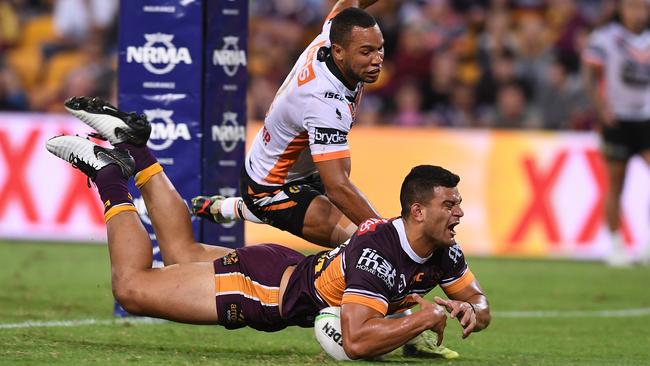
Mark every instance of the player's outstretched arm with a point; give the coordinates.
(335, 175)
(469, 306)
(367, 333)
(344, 4)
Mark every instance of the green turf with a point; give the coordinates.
(44, 282)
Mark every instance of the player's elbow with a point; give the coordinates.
(355, 350)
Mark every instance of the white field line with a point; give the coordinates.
(624, 313)
(80, 322)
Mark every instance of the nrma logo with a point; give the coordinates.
(230, 57)
(158, 55)
(229, 133)
(166, 131)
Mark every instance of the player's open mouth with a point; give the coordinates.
(451, 228)
(374, 72)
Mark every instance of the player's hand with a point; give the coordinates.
(461, 310)
(434, 313)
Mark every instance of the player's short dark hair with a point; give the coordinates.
(420, 182)
(347, 19)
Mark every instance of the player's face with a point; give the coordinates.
(364, 54)
(443, 213)
(634, 14)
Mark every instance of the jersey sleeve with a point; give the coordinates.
(456, 275)
(594, 53)
(328, 122)
(369, 275)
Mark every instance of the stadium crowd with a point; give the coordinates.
(462, 63)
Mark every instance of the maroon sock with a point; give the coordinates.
(141, 154)
(112, 187)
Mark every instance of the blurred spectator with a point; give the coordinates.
(9, 25)
(561, 97)
(407, 102)
(75, 20)
(533, 51)
(501, 70)
(462, 110)
(512, 110)
(12, 95)
(442, 75)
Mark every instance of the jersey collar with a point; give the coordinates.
(404, 242)
(329, 61)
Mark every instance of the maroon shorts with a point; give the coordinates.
(247, 285)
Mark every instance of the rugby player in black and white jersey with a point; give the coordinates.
(617, 69)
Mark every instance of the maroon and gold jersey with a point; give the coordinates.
(376, 268)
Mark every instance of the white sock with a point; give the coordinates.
(617, 241)
(234, 208)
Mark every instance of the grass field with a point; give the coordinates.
(544, 313)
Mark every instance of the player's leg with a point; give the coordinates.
(222, 210)
(616, 149)
(171, 221)
(645, 251)
(616, 176)
(167, 210)
(180, 292)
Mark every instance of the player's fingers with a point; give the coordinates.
(455, 310)
(466, 318)
(440, 301)
(419, 299)
(440, 330)
(469, 329)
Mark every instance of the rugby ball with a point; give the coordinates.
(327, 328)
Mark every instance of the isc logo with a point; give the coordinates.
(164, 133)
(158, 55)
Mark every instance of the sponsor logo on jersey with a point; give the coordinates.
(158, 55)
(371, 262)
(333, 95)
(330, 136)
(165, 131)
(417, 278)
(306, 72)
(229, 133)
(234, 313)
(370, 225)
(230, 57)
(230, 259)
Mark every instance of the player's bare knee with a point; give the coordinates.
(128, 293)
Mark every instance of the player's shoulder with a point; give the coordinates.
(377, 233)
(607, 31)
(449, 257)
